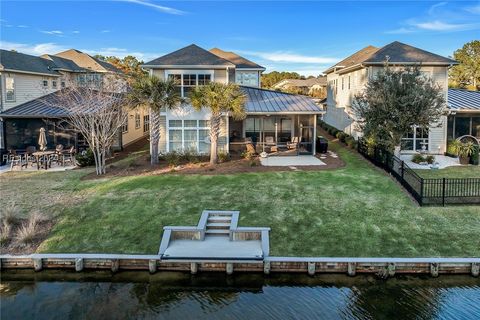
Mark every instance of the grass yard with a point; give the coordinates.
(451, 172)
(353, 211)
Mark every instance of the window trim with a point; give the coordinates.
(195, 72)
(146, 123)
(125, 127)
(138, 120)
(183, 128)
(45, 83)
(14, 90)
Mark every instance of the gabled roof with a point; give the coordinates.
(356, 58)
(191, 55)
(87, 61)
(63, 64)
(238, 61)
(463, 100)
(404, 53)
(262, 101)
(16, 61)
(396, 53)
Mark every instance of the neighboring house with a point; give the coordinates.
(271, 116)
(464, 114)
(315, 87)
(349, 77)
(26, 81)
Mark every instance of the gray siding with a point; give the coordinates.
(162, 147)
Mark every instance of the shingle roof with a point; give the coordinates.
(188, 56)
(269, 101)
(463, 100)
(63, 63)
(396, 52)
(87, 61)
(404, 53)
(11, 60)
(238, 61)
(356, 58)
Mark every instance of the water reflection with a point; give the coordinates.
(138, 295)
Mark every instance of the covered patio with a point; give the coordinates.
(277, 123)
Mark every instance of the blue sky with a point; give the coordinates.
(305, 37)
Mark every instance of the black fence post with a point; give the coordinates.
(443, 192)
(402, 168)
(421, 191)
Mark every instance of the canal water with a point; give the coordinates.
(170, 295)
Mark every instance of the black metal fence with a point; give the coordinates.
(440, 191)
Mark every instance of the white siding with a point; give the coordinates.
(27, 87)
(437, 137)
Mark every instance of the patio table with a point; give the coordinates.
(46, 157)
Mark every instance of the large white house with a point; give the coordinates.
(349, 77)
(273, 118)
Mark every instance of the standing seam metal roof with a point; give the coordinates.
(463, 100)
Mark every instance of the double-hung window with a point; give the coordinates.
(10, 88)
(146, 123)
(189, 135)
(416, 139)
(137, 120)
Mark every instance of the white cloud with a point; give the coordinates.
(52, 48)
(156, 7)
(33, 49)
(474, 9)
(76, 32)
(402, 30)
(105, 31)
(283, 56)
(54, 32)
(444, 26)
(22, 26)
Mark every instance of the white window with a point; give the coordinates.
(146, 123)
(137, 120)
(187, 81)
(125, 127)
(10, 88)
(416, 140)
(247, 78)
(191, 135)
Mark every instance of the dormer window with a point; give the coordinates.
(246, 78)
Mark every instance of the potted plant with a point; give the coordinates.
(465, 150)
(452, 148)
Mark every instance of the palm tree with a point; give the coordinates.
(219, 99)
(156, 94)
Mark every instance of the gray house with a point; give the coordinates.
(273, 118)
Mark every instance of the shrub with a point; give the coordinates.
(223, 157)
(474, 158)
(173, 158)
(418, 158)
(190, 156)
(351, 143)
(5, 230)
(10, 213)
(430, 159)
(27, 232)
(85, 158)
(452, 147)
(247, 155)
(341, 136)
(252, 163)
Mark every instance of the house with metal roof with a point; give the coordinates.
(464, 114)
(28, 82)
(273, 118)
(315, 87)
(348, 77)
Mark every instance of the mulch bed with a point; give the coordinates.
(141, 166)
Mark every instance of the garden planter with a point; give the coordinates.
(464, 160)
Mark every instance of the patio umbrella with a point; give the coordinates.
(42, 140)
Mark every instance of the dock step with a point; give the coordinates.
(219, 217)
(218, 225)
(217, 231)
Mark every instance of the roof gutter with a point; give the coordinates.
(30, 72)
(175, 66)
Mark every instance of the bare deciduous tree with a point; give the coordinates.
(97, 113)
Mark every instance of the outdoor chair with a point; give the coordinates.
(270, 141)
(250, 148)
(29, 158)
(17, 160)
(8, 157)
(68, 156)
(294, 143)
(59, 148)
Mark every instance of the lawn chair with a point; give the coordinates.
(17, 160)
(294, 143)
(29, 158)
(68, 156)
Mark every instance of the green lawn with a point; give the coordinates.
(353, 211)
(451, 172)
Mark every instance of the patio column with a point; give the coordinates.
(314, 134)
